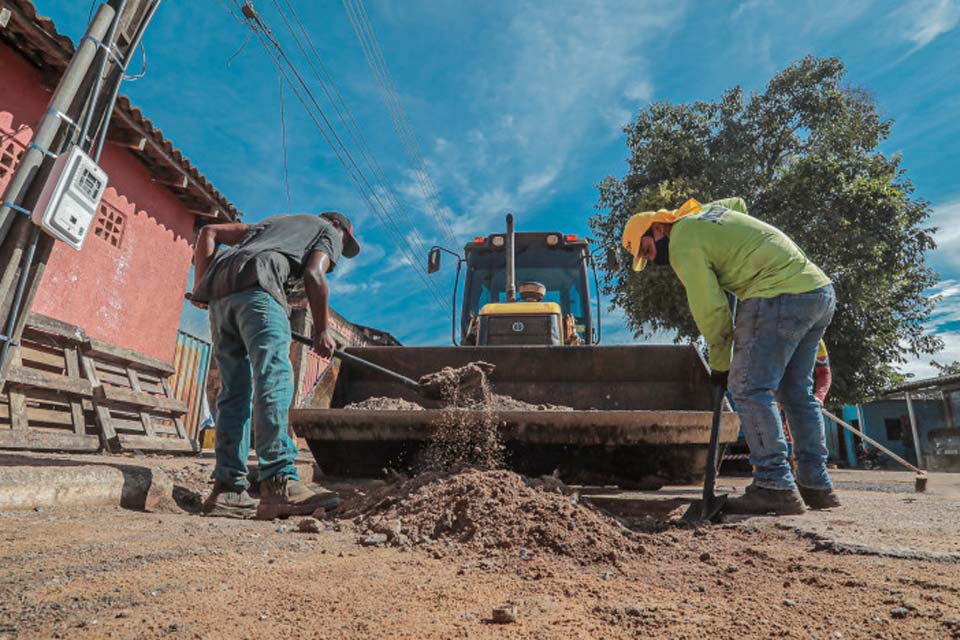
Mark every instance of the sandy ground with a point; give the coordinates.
(886, 565)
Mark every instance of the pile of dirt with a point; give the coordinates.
(380, 403)
(468, 433)
(489, 511)
(495, 401)
(499, 402)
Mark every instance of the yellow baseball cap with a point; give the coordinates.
(640, 223)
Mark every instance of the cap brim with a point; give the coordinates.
(350, 245)
(639, 263)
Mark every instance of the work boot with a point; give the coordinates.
(282, 496)
(229, 502)
(819, 498)
(760, 501)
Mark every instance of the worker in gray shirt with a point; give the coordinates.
(244, 288)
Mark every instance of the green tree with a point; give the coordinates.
(803, 154)
(951, 369)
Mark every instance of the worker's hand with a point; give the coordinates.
(324, 344)
(719, 378)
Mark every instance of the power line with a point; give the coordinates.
(347, 120)
(374, 57)
(302, 91)
(283, 143)
(373, 54)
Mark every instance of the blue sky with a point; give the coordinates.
(519, 106)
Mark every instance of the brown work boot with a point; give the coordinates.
(819, 498)
(229, 502)
(282, 496)
(759, 500)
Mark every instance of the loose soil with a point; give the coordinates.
(492, 512)
(379, 403)
(122, 574)
(495, 401)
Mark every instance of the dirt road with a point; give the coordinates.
(873, 569)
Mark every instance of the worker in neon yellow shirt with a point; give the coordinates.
(785, 305)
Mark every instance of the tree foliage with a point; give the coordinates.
(804, 155)
(951, 369)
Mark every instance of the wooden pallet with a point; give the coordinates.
(67, 391)
(47, 402)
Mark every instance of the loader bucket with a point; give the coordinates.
(641, 415)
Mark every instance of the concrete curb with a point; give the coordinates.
(72, 484)
(31, 487)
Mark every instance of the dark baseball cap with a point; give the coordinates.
(350, 245)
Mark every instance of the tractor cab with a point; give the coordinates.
(529, 288)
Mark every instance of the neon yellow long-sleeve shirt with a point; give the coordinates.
(721, 248)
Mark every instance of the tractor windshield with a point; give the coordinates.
(562, 270)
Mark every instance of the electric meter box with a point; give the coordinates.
(68, 204)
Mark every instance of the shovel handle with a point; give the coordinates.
(710, 478)
(352, 359)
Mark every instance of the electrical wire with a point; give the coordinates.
(370, 194)
(143, 66)
(305, 96)
(373, 54)
(283, 143)
(348, 121)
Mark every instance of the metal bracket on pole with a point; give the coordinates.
(110, 50)
(60, 114)
(43, 150)
(17, 208)
(13, 342)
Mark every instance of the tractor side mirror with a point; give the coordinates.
(433, 260)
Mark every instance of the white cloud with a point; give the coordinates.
(945, 218)
(925, 20)
(945, 324)
(639, 91)
(538, 181)
(562, 78)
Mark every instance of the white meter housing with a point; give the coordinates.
(70, 198)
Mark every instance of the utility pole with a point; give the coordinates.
(78, 113)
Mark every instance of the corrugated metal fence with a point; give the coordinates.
(192, 362)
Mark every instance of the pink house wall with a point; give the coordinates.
(130, 295)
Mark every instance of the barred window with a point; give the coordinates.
(109, 224)
(10, 154)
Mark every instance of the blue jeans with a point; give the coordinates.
(775, 348)
(251, 338)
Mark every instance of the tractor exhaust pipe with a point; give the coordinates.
(511, 262)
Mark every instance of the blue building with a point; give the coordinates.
(917, 413)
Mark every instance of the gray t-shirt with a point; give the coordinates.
(271, 253)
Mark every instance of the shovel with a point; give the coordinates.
(442, 385)
(708, 508)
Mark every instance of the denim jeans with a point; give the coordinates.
(251, 338)
(774, 352)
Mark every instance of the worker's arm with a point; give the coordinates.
(208, 239)
(708, 304)
(318, 294)
(823, 378)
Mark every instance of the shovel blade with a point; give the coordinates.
(450, 383)
(704, 511)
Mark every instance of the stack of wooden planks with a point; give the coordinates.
(65, 391)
